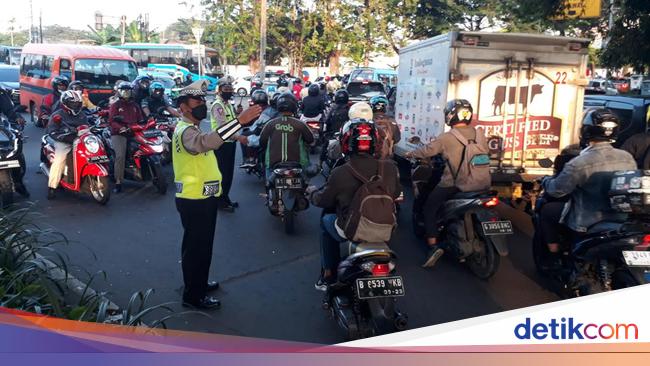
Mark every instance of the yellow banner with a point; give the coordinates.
(574, 9)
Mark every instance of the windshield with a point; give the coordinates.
(356, 89)
(102, 74)
(359, 75)
(15, 56)
(9, 74)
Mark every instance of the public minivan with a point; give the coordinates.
(99, 68)
(386, 76)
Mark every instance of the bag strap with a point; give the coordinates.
(459, 136)
(356, 173)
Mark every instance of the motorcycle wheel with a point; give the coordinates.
(289, 221)
(6, 189)
(623, 279)
(382, 315)
(485, 263)
(159, 180)
(100, 189)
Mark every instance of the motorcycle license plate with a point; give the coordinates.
(98, 159)
(497, 227)
(370, 288)
(288, 183)
(636, 259)
(9, 164)
(152, 133)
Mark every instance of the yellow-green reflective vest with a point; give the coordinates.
(197, 176)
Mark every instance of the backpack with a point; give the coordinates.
(385, 143)
(372, 210)
(473, 173)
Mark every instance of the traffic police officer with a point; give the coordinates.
(198, 185)
(222, 112)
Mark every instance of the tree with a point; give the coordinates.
(628, 39)
(180, 31)
(108, 35)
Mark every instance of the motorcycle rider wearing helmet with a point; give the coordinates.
(223, 111)
(389, 133)
(579, 179)
(157, 100)
(62, 127)
(286, 138)
(80, 87)
(338, 114)
(458, 115)
(122, 114)
(639, 145)
(259, 97)
(198, 186)
(141, 88)
(17, 122)
(50, 102)
(297, 87)
(358, 142)
(313, 105)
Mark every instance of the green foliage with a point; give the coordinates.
(628, 44)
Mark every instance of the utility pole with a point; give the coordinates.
(40, 26)
(12, 26)
(123, 20)
(99, 21)
(31, 21)
(263, 38)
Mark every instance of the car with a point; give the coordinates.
(631, 110)
(386, 76)
(183, 72)
(622, 85)
(362, 91)
(242, 87)
(10, 80)
(600, 86)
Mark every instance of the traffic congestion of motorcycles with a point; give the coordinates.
(609, 253)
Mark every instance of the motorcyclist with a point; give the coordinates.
(141, 86)
(157, 100)
(259, 97)
(122, 115)
(358, 140)
(305, 91)
(338, 114)
(297, 88)
(189, 80)
(17, 122)
(458, 115)
(253, 140)
(257, 85)
(639, 146)
(80, 87)
(313, 104)
(50, 101)
(389, 133)
(62, 127)
(580, 180)
(286, 138)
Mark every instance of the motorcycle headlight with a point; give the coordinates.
(92, 144)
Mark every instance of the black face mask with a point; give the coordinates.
(226, 95)
(200, 112)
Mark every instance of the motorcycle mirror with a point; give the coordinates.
(545, 163)
(414, 140)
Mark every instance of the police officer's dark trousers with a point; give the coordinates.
(199, 218)
(226, 159)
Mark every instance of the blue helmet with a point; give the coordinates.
(379, 103)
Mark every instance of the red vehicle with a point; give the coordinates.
(86, 165)
(97, 67)
(143, 156)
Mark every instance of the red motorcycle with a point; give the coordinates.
(86, 167)
(143, 155)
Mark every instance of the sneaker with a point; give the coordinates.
(117, 188)
(433, 255)
(51, 192)
(322, 284)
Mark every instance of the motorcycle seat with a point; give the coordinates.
(603, 226)
(351, 248)
(471, 195)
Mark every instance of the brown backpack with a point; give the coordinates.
(371, 216)
(473, 173)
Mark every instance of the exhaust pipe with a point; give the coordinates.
(45, 169)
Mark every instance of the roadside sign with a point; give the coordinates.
(198, 33)
(579, 9)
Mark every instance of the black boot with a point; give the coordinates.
(51, 192)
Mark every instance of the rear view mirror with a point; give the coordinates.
(414, 140)
(545, 163)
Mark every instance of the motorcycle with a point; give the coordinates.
(363, 300)
(470, 229)
(12, 159)
(86, 167)
(315, 126)
(143, 155)
(166, 124)
(286, 193)
(611, 255)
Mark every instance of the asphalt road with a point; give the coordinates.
(267, 276)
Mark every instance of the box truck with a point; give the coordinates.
(527, 91)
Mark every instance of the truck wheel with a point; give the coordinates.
(6, 189)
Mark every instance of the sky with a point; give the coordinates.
(79, 14)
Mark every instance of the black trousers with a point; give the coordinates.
(433, 208)
(199, 219)
(226, 159)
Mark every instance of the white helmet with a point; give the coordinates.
(361, 110)
(71, 101)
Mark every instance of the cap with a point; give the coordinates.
(226, 80)
(197, 88)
